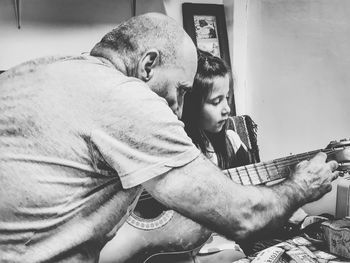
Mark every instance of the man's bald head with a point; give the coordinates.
(132, 38)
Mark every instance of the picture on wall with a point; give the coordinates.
(207, 34)
(206, 25)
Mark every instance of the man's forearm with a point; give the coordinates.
(278, 203)
(201, 192)
(264, 210)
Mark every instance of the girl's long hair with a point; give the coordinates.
(209, 67)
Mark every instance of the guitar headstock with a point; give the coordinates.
(340, 153)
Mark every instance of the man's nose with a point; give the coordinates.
(178, 111)
(179, 107)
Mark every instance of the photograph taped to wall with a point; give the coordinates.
(207, 34)
(205, 27)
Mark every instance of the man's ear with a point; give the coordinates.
(147, 63)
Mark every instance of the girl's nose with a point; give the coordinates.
(226, 109)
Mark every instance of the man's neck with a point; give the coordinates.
(110, 57)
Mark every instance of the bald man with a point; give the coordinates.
(80, 136)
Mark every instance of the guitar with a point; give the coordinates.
(147, 236)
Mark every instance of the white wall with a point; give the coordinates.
(56, 27)
(68, 26)
(237, 34)
(297, 90)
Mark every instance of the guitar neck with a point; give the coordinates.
(259, 173)
(263, 172)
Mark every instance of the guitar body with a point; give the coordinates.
(153, 231)
(145, 240)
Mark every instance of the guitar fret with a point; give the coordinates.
(254, 178)
(239, 176)
(250, 179)
(272, 169)
(275, 164)
(267, 172)
(258, 174)
(264, 174)
(234, 177)
(241, 173)
(254, 174)
(229, 175)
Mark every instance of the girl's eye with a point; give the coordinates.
(216, 101)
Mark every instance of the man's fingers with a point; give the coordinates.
(333, 165)
(335, 175)
(320, 157)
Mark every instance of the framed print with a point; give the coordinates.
(206, 25)
(207, 34)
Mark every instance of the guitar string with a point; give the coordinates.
(269, 164)
(272, 165)
(252, 170)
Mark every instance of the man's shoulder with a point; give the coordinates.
(94, 73)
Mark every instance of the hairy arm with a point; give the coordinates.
(201, 192)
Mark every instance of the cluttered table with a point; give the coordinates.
(325, 241)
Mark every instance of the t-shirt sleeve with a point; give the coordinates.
(140, 137)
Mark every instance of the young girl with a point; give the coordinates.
(206, 111)
(205, 116)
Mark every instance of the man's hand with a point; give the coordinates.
(314, 177)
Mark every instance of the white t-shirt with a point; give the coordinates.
(77, 138)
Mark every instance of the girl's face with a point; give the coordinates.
(215, 110)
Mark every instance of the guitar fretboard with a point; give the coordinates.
(258, 173)
(263, 172)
